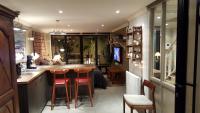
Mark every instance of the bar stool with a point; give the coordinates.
(57, 82)
(80, 81)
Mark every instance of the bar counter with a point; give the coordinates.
(34, 86)
(31, 74)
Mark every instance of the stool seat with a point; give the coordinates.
(61, 81)
(82, 80)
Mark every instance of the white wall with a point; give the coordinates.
(29, 43)
(165, 95)
(47, 39)
(141, 19)
(190, 55)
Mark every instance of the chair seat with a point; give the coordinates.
(82, 80)
(137, 100)
(61, 81)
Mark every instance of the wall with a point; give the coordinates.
(44, 45)
(141, 19)
(190, 57)
(47, 39)
(29, 43)
(165, 93)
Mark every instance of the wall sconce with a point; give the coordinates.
(157, 55)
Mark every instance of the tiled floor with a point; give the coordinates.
(105, 101)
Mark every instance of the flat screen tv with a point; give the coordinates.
(117, 54)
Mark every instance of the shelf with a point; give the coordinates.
(129, 34)
(136, 52)
(129, 45)
(135, 47)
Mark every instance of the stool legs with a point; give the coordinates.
(70, 91)
(90, 94)
(123, 105)
(67, 96)
(76, 94)
(53, 97)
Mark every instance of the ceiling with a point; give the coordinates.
(81, 15)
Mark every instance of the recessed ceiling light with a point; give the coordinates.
(68, 25)
(166, 24)
(117, 11)
(62, 50)
(71, 29)
(24, 30)
(102, 25)
(158, 17)
(60, 11)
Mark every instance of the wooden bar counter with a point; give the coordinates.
(32, 74)
(34, 86)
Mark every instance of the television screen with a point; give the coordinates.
(117, 54)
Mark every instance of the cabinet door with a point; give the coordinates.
(33, 96)
(8, 89)
(37, 94)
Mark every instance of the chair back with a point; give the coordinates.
(56, 72)
(83, 70)
(152, 88)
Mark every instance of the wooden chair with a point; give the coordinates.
(80, 81)
(57, 82)
(141, 102)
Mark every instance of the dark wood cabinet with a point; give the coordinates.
(34, 96)
(8, 89)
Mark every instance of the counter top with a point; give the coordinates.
(31, 74)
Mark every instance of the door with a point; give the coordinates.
(8, 89)
(196, 92)
(187, 57)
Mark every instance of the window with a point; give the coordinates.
(157, 24)
(164, 35)
(170, 41)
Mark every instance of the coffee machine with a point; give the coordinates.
(29, 63)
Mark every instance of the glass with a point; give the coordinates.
(157, 24)
(89, 50)
(58, 46)
(103, 50)
(170, 41)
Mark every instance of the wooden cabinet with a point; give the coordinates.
(34, 95)
(117, 74)
(8, 89)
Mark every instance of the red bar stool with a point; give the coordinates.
(80, 81)
(57, 82)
